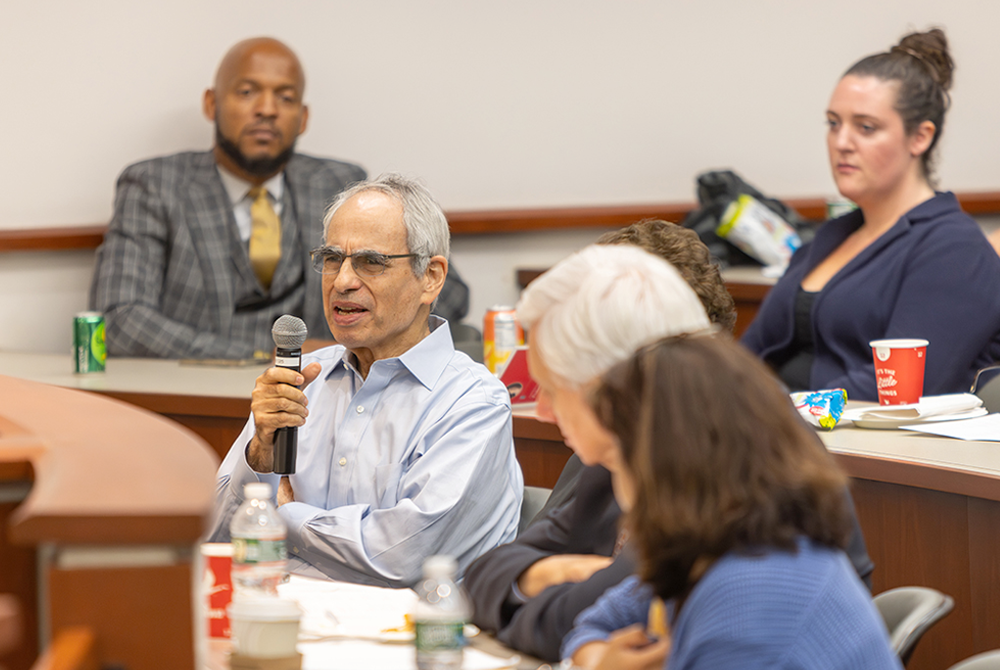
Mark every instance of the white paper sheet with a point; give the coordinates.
(337, 614)
(351, 655)
(981, 428)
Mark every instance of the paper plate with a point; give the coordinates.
(877, 423)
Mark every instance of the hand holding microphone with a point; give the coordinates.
(289, 333)
(277, 400)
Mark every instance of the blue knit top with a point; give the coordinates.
(770, 609)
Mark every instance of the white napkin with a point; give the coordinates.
(929, 406)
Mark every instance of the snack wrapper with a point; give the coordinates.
(822, 409)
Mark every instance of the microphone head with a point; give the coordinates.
(289, 332)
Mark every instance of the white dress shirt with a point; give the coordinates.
(238, 191)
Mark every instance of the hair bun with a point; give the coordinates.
(930, 48)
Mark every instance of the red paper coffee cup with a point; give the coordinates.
(218, 586)
(899, 370)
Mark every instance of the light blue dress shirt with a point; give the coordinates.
(417, 459)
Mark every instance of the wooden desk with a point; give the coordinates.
(118, 499)
(213, 402)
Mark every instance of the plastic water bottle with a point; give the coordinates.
(440, 616)
(258, 533)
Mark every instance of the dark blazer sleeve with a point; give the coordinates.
(565, 488)
(489, 580)
(586, 524)
(539, 625)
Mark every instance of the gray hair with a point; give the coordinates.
(427, 231)
(597, 307)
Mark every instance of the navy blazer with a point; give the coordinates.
(933, 275)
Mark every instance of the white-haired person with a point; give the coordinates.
(589, 312)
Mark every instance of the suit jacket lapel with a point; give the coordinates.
(309, 204)
(213, 232)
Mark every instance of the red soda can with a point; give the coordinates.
(502, 334)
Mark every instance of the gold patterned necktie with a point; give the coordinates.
(265, 236)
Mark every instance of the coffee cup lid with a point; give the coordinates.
(216, 549)
(264, 609)
(901, 343)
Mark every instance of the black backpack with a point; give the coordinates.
(716, 190)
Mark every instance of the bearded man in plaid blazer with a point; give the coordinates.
(174, 276)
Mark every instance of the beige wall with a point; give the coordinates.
(509, 104)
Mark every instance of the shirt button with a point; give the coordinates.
(343, 462)
(361, 409)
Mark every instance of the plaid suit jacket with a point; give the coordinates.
(166, 273)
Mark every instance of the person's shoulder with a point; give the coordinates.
(305, 166)
(324, 356)
(327, 357)
(173, 167)
(792, 577)
(940, 224)
(482, 384)
(942, 215)
(183, 159)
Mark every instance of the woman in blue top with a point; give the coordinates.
(737, 515)
(908, 263)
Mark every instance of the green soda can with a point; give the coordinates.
(89, 352)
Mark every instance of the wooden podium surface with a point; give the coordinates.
(929, 506)
(118, 498)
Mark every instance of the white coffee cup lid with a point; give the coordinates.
(899, 343)
(216, 549)
(264, 609)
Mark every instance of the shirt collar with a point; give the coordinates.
(237, 188)
(942, 202)
(425, 360)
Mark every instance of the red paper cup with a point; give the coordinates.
(218, 586)
(899, 370)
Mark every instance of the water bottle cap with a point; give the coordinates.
(257, 491)
(439, 566)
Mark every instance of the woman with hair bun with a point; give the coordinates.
(908, 263)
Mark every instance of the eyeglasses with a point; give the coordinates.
(368, 263)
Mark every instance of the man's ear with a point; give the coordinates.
(433, 280)
(305, 119)
(208, 104)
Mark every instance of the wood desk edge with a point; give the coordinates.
(93, 449)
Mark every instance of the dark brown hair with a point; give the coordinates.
(923, 67)
(719, 458)
(683, 249)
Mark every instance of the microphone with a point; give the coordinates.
(289, 332)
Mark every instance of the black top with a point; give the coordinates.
(796, 369)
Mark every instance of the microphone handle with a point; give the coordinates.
(286, 439)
